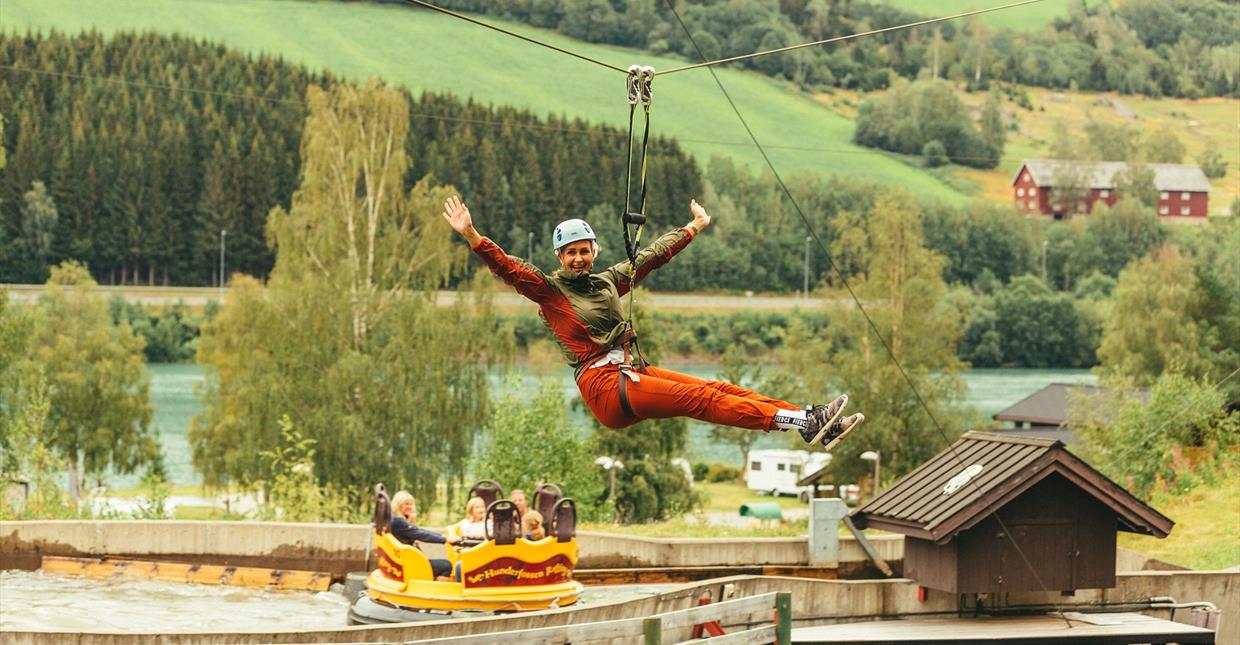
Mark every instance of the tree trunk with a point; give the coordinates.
(75, 492)
(150, 275)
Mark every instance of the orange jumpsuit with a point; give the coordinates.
(584, 312)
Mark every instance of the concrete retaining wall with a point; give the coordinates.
(275, 545)
(340, 548)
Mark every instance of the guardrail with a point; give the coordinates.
(657, 629)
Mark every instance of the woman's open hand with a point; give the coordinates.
(458, 217)
(700, 218)
(457, 214)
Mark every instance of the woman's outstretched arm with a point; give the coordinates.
(661, 250)
(519, 274)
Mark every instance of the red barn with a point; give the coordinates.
(1183, 191)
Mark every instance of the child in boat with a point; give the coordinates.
(532, 526)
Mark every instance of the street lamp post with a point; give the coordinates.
(872, 455)
(1045, 243)
(531, 255)
(223, 234)
(611, 465)
(805, 287)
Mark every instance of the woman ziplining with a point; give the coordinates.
(583, 311)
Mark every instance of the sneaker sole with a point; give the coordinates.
(837, 440)
(826, 427)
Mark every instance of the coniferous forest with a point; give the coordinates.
(144, 175)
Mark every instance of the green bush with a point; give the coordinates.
(723, 473)
(935, 153)
(700, 470)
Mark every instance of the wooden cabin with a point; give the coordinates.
(965, 512)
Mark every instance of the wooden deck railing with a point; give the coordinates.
(652, 630)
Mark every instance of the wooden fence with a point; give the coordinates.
(657, 629)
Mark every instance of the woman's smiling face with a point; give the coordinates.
(577, 256)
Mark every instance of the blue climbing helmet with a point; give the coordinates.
(572, 230)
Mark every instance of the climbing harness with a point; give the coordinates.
(638, 84)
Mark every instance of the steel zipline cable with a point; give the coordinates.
(836, 39)
(534, 41)
(857, 300)
(730, 59)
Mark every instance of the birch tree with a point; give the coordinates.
(99, 410)
(346, 339)
(901, 285)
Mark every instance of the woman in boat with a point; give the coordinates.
(404, 529)
(584, 312)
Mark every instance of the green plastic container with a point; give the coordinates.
(763, 510)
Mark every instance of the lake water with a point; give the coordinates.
(172, 394)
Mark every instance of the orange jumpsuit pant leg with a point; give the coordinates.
(661, 394)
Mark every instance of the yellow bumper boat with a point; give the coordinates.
(504, 573)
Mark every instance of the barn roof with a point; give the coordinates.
(1101, 174)
(963, 485)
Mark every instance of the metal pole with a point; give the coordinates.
(805, 289)
(1045, 243)
(878, 458)
(612, 495)
(531, 256)
(223, 234)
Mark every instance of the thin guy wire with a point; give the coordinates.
(149, 85)
(514, 34)
(839, 38)
(860, 150)
(873, 326)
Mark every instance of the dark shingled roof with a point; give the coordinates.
(919, 506)
(1050, 406)
(1047, 407)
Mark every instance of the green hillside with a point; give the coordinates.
(1025, 18)
(427, 51)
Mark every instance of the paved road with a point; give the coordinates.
(198, 296)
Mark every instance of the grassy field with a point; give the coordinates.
(1204, 536)
(427, 51)
(1026, 18)
(1196, 123)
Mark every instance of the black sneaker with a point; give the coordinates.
(819, 419)
(840, 429)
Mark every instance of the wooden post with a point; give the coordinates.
(653, 630)
(783, 618)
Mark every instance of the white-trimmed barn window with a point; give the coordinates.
(1164, 195)
(1032, 204)
(1163, 210)
(1020, 192)
(1184, 196)
(1105, 194)
(1184, 210)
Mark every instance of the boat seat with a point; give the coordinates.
(545, 498)
(564, 520)
(411, 561)
(503, 522)
(382, 519)
(488, 489)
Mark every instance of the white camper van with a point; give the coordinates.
(776, 471)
